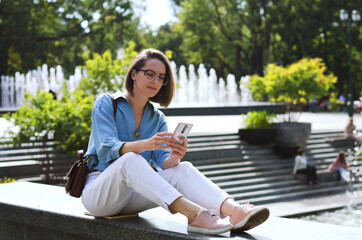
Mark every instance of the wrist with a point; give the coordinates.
(170, 162)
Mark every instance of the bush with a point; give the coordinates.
(298, 83)
(68, 122)
(258, 119)
(7, 180)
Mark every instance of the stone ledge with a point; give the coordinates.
(43, 210)
(38, 211)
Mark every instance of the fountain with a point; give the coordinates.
(353, 177)
(195, 87)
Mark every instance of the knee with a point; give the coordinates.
(130, 155)
(131, 158)
(184, 167)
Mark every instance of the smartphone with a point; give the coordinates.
(182, 130)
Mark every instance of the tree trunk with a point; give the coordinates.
(3, 61)
(257, 60)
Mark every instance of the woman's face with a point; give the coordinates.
(143, 85)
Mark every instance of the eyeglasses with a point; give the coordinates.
(151, 75)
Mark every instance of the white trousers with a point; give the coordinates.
(129, 185)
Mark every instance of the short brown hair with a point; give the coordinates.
(165, 95)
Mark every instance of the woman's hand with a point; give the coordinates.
(179, 151)
(160, 140)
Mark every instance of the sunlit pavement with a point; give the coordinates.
(231, 124)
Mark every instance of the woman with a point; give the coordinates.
(301, 166)
(340, 165)
(122, 148)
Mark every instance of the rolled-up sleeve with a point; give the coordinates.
(160, 155)
(104, 129)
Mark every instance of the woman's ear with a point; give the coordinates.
(133, 74)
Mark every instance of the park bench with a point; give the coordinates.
(34, 161)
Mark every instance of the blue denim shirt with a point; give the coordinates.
(109, 133)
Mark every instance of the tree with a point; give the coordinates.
(169, 37)
(58, 32)
(242, 36)
(230, 35)
(307, 29)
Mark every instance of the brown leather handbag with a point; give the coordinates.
(77, 175)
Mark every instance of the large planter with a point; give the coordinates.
(290, 136)
(257, 136)
(292, 133)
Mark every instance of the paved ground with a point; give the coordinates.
(222, 124)
(316, 204)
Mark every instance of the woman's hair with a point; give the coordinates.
(165, 95)
(341, 157)
(300, 151)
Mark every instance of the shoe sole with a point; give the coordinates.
(206, 231)
(252, 220)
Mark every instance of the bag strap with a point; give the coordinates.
(114, 103)
(80, 154)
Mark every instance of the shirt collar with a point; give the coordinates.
(117, 95)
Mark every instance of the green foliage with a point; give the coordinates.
(334, 103)
(68, 121)
(7, 180)
(216, 32)
(168, 38)
(297, 83)
(258, 119)
(105, 73)
(240, 37)
(57, 32)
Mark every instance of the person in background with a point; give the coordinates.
(340, 165)
(349, 129)
(301, 166)
(122, 148)
(342, 104)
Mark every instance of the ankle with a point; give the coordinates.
(234, 209)
(185, 207)
(193, 214)
(228, 207)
